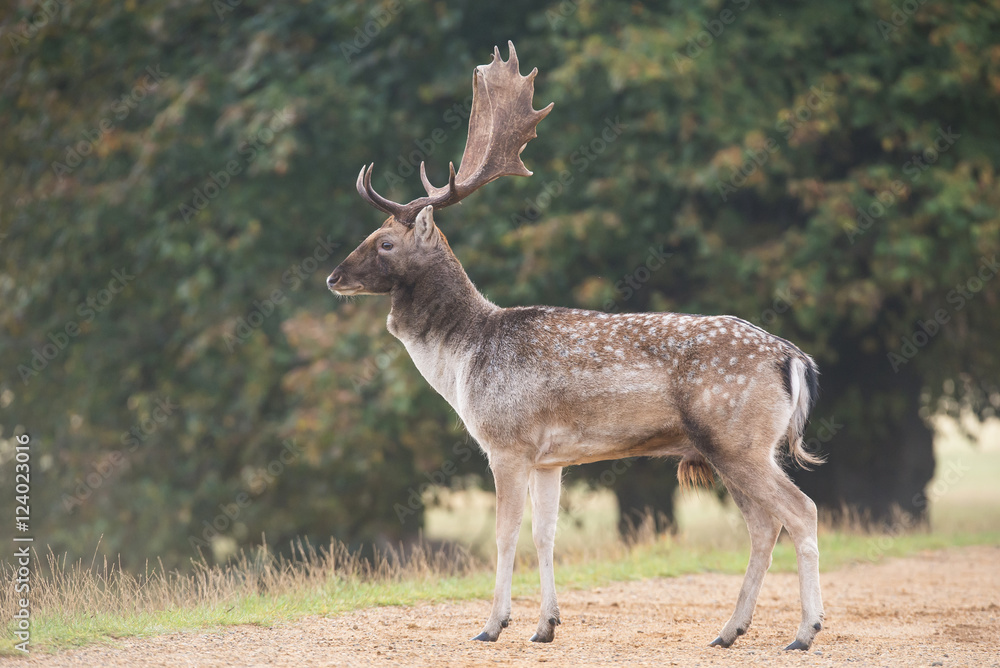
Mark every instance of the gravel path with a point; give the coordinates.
(934, 609)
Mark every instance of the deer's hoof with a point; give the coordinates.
(719, 642)
(798, 644)
(545, 637)
(485, 637)
(546, 632)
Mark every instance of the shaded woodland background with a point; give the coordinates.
(177, 181)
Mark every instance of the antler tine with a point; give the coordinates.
(364, 186)
(512, 62)
(433, 192)
(501, 123)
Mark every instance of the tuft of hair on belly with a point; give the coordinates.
(694, 471)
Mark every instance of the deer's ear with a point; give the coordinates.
(423, 228)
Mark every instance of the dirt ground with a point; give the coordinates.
(934, 609)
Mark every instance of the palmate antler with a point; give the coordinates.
(501, 124)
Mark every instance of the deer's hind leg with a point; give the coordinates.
(764, 529)
(768, 487)
(745, 459)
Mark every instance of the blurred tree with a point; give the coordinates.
(176, 181)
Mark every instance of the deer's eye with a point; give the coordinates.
(386, 245)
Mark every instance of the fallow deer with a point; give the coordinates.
(540, 388)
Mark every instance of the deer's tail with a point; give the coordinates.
(803, 382)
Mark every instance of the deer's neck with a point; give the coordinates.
(437, 316)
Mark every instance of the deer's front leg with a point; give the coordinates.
(512, 486)
(545, 485)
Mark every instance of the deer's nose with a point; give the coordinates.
(334, 278)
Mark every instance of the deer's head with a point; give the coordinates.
(501, 124)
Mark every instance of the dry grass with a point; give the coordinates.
(63, 590)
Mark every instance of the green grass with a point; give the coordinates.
(75, 606)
